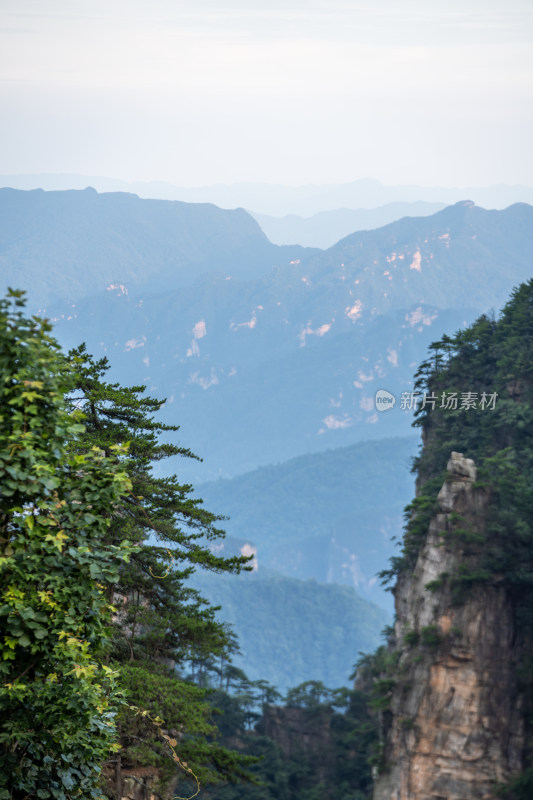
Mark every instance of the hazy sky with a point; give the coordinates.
(300, 91)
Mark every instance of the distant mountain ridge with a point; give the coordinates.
(278, 200)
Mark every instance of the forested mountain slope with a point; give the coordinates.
(329, 516)
(290, 631)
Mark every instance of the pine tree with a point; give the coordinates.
(163, 624)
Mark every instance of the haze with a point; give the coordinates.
(197, 92)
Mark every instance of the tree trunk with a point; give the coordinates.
(118, 771)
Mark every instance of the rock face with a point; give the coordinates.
(137, 783)
(456, 726)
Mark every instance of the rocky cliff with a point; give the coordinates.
(454, 728)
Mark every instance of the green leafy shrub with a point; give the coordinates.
(411, 638)
(57, 699)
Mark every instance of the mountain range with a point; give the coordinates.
(261, 370)
(279, 200)
(263, 352)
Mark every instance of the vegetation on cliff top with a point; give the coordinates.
(491, 359)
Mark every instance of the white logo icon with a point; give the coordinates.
(384, 400)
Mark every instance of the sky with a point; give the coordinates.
(197, 92)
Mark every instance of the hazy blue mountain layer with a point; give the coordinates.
(290, 631)
(325, 229)
(67, 245)
(254, 405)
(261, 370)
(329, 516)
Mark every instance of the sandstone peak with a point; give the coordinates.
(454, 727)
